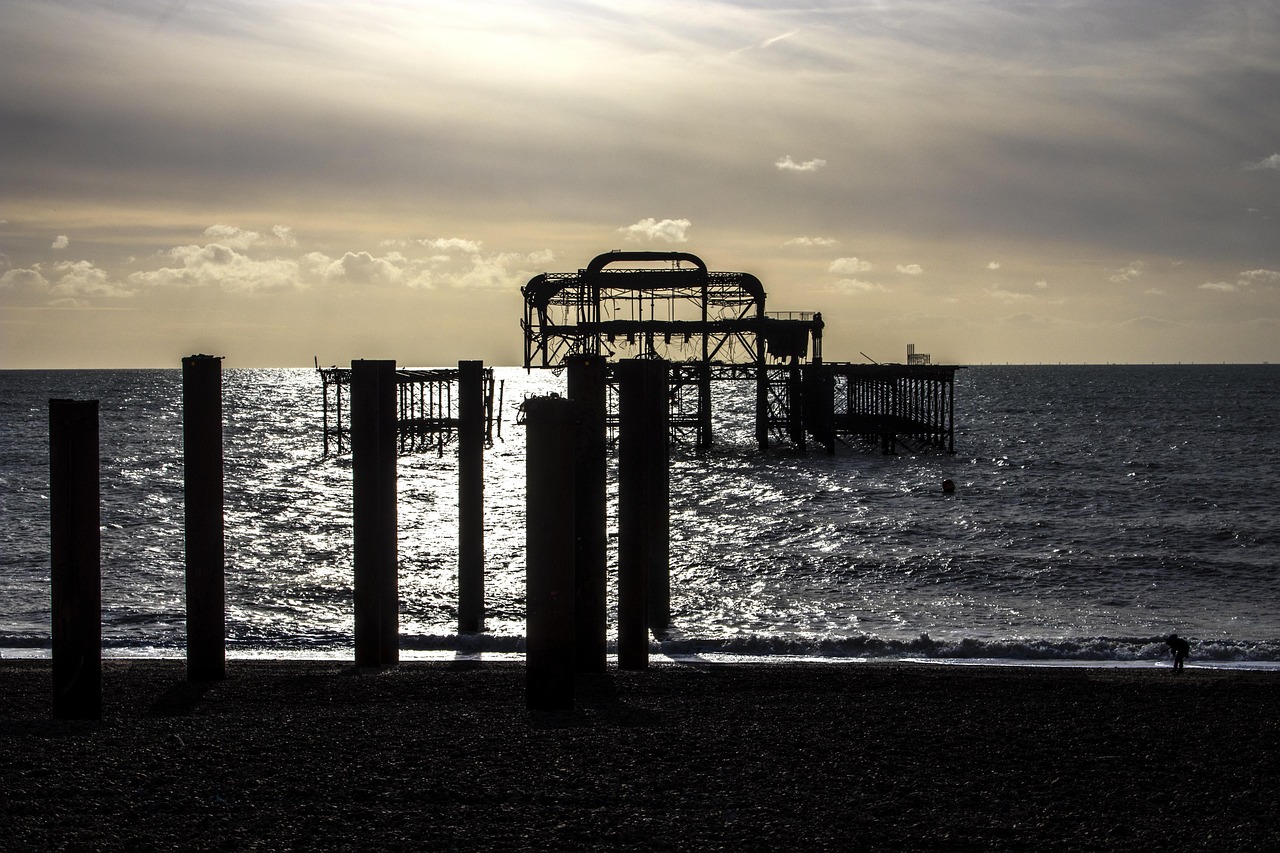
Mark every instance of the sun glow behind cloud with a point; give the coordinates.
(417, 151)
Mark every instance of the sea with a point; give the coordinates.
(1096, 510)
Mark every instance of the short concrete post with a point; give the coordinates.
(373, 463)
(75, 559)
(203, 490)
(549, 554)
(586, 387)
(470, 496)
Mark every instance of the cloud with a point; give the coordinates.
(848, 266)
(285, 235)
(1246, 280)
(220, 266)
(230, 235)
(1123, 274)
(76, 279)
(1271, 163)
(856, 286)
(1008, 295)
(910, 269)
(670, 230)
(1041, 285)
(786, 164)
(453, 244)
(364, 268)
(66, 282)
(60, 242)
(993, 265)
(810, 241)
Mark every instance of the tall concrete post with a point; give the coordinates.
(470, 496)
(658, 498)
(203, 496)
(373, 463)
(75, 557)
(587, 391)
(643, 540)
(550, 520)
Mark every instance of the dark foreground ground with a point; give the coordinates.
(439, 756)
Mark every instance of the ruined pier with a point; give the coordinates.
(713, 327)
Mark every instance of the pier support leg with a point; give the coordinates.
(373, 463)
(203, 490)
(75, 558)
(586, 387)
(643, 488)
(550, 521)
(470, 496)
(658, 488)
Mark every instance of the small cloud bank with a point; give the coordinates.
(848, 266)
(60, 242)
(239, 261)
(910, 269)
(820, 242)
(670, 230)
(786, 164)
(1246, 281)
(1271, 163)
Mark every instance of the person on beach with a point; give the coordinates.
(1179, 648)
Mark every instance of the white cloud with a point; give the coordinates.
(285, 235)
(1008, 295)
(503, 270)
(1247, 280)
(60, 242)
(993, 265)
(910, 269)
(786, 164)
(1041, 285)
(230, 235)
(848, 266)
(77, 279)
(810, 241)
(453, 244)
(1269, 163)
(670, 230)
(218, 265)
(25, 281)
(1132, 271)
(364, 268)
(854, 285)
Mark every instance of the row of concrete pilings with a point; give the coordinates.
(566, 535)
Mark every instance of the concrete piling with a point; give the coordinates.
(471, 426)
(586, 388)
(75, 559)
(373, 463)
(550, 520)
(203, 490)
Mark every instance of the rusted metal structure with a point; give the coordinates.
(713, 326)
(426, 409)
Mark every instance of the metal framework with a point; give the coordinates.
(426, 409)
(713, 326)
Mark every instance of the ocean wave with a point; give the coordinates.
(865, 647)
(1101, 649)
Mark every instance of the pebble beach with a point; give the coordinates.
(309, 755)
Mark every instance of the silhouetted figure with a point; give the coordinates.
(948, 487)
(1179, 648)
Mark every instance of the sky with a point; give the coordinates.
(276, 181)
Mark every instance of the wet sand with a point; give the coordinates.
(435, 756)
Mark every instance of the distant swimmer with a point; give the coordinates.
(948, 487)
(1179, 648)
